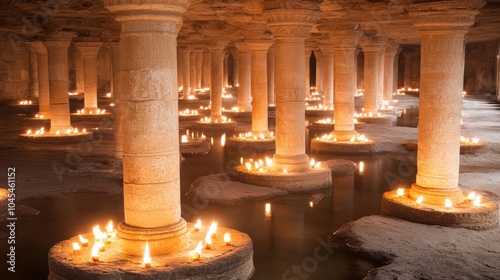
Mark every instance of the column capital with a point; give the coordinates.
(242, 47)
(290, 22)
(345, 38)
(391, 49)
(148, 10)
(61, 39)
(318, 53)
(454, 16)
(218, 46)
(258, 45)
(326, 47)
(88, 48)
(39, 47)
(373, 43)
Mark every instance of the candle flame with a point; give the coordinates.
(448, 203)
(420, 199)
(268, 209)
(82, 239)
(477, 201)
(197, 226)
(227, 238)
(208, 240)
(401, 192)
(311, 204)
(471, 196)
(76, 246)
(95, 250)
(147, 256)
(184, 139)
(223, 140)
(195, 254)
(361, 167)
(213, 228)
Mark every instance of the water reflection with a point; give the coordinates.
(408, 118)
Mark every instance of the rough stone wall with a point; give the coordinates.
(480, 60)
(103, 71)
(14, 70)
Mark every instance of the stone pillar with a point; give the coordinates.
(396, 70)
(236, 63)
(33, 69)
(328, 57)
(498, 74)
(186, 73)
(180, 80)
(271, 55)
(344, 45)
(407, 74)
(151, 186)
(415, 69)
(381, 70)
(225, 71)
(192, 73)
(57, 54)
(259, 85)
(207, 65)
(307, 72)
(290, 27)
(356, 76)
(43, 78)
(442, 71)
(199, 67)
(89, 51)
(244, 102)
(117, 109)
(217, 71)
(79, 73)
(319, 71)
(371, 48)
(390, 52)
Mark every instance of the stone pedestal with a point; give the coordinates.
(271, 57)
(328, 79)
(43, 78)
(57, 54)
(372, 46)
(244, 77)
(390, 52)
(89, 51)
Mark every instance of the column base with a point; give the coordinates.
(250, 145)
(164, 240)
(296, 163)
(437, 196)
(344, 136)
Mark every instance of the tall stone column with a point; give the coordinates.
(271, 55)
(199, 67)
(415, 69)
(192, 73)
(217, 71)
(43, 78)
(186, 73)
(344, 44)
(381, 70)
(356, 76)
(259, 85)
(180, 80)
(225, 70)
(442, 71)
(319, 71)
(57, 55)
(498, 74)
(151, 186)
(33, 69)
(236, 64)
(328, 57)
(390, 52)
(371, 48)
(307, 72)
(79, 73)
(117, 109)
(396, 70)
(207, 65)
(89, 51)
(290, 27)
(407, 74)
(244, 102)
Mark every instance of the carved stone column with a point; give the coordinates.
(372, 46)
(244, 77)
(498, 74)
(407, 74)
(307, 72)
(192, 73)
(180, 80)
(319, 71)
(390, 52)
(207, 65)
(117, 109)
(225, 70)
(236, 64)
(151, 185)
(438, 157)
(79, 72)
(396, 70)
(356, 76)
(290, 26)
(328, 79)
(217, 71)
(43, 78)
(57, 54)
(33, 70)
(381, 70)
(271, 55)
(89, 51)
(259, 85)
(186, 72)
(199, 67)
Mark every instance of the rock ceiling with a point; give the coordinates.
(209, 20)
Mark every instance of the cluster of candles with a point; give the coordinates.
(73, 93)
(251, 136)
(369, 115)
(101, 238)
(190, 97)
(108, 95)
(41, 132)
(207, 242)
(91, 112)
(330, 121)
(359, 92)
(464, 93)
(412, 89)
(386, 106)
(360, 139)
(37, 116)
(319, 107)
(464, 140)
(234, 109)
(400, 91)
(25, 102)
(472, 197)
(227, 95)
(203, 89)
(209, 120)
(313, 98)
(188, 112)
(262, 166)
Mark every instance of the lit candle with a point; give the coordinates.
(197, 226)
(95, 252)
(400, 192)
(101, 246)
(208, 240)
(361, 167)
(147, 257)
(196, 253)
(109, 227)
(268, 210)
(213, 229)
(448, 203)
(477, 201)
(83, 241)
(227, 238)
(311, 204)
(471, 196)
(184, 139)
(420, 199)
(76, 247)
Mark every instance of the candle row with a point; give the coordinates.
(475, 199)
(207, 242)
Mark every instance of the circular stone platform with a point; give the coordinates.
(292, 181)
(463, 215)
(259, 145)
(215, 126)
(376, 120)
(189, 118)
(56, 139)
(195, 146)
(316, 127)
(469, 148)
(80, 117)
(329, 146)
(203, 95)
(319, 113)
(220, 262)
(240, 115)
